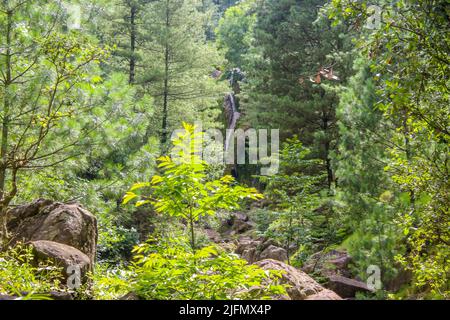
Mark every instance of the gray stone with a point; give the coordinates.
(68, 224)
(63, 256)
(301, 286)
(345, 287)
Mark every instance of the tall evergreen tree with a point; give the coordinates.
(292, 77)
(409, 54)
(121, 23)
(364, 187)
(181, 65)
(44, 85)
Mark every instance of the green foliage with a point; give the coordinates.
(111, 282)
(47, 78)
(183, 190)
(364, 187)
(20, 277)
(115, 243)
(408, 55)
(263, 219)
(303, 219)
(169, 270)
(86, 113)
(235, 32)
(179, 66)
(292, 44)
(223, 5)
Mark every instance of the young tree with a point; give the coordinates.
(303, 220)
(210, 273)
(44, 78)
(365, 188)
(184, 191)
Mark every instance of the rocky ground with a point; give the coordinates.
(236, 233)
(67, 234)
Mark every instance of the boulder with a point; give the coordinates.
(301, 286)
(68, 224)
(334, 262)
(324, 295)
(256, 250)
(273, 252)
(241, 226)
(213, 235)
(250, 254)
(244, 243)
(334, 266)
(241, 216)
(63, 256)
(237, 223)
(345, 287)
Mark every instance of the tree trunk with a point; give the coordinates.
(133, 11)
(6, 108)
(327, 147)
(192, 230)
(164, 134)
(5, 130)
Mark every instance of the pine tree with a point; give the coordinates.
(121, 23)
(47, 76)
(292, 75)
(364, 187)
(409, 56)
(180, 68)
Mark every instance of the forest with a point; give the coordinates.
(224, 150)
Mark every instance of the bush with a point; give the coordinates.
(184, 189)
(21, 278)
(170, 270)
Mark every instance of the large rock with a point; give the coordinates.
(334, 262)
(334, 266)
(63, 256)
(261, 249)
(345, 287)
(238, 223)
(274, 252)
(68, 224)
(301, 286)
(324, 295)
(213, 235)
(241, 226)
(247, 249)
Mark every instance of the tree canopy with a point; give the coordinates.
(94, 93)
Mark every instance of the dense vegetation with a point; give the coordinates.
(358, 89)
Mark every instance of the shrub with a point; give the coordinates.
(20, 277)
(170, 270)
